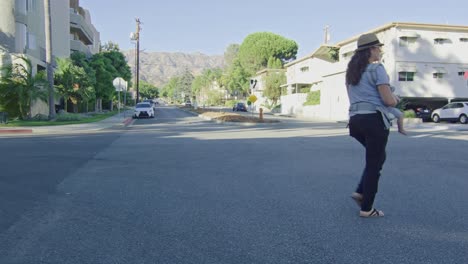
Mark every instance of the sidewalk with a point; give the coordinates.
(411, 124)
(116, 120)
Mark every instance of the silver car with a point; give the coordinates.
(456, 111)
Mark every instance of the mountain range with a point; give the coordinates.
(158, 67)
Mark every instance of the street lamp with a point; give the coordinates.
(136, 37)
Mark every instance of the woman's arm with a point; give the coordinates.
(387, 95)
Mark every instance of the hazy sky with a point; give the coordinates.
(209, 26)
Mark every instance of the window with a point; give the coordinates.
(31, 5)
(31, 41)
(438, 75)
(461, 73)
(464, 40)
(305, 69)
(21, 37)
(442, 41)
(407, 41)
(21, 6)
(405, 76)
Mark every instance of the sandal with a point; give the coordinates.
(357, 197)
(372, 213)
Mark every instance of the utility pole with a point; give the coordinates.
(137, 36)
(327, 34)
(50, 70)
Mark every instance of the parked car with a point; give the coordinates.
(423, 112)
(143, 110)
(456, 111)
(188, 103)
(239, 107)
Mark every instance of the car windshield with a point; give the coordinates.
(143, 106)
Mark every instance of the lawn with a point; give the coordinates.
(81, 120)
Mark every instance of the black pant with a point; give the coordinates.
(370, 131)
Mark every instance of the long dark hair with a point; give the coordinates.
(356, 66)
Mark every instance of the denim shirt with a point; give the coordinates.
(366, 90)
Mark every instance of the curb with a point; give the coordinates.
(15, 131)
(236, 123)
(127, 121)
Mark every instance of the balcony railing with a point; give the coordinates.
(78, 23)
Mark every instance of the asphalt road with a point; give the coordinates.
(176, 189)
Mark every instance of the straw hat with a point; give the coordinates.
(367, 40)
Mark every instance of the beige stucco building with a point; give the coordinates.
(22, 33)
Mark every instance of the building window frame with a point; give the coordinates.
(31, 5)
(442, 41)
(406, 41)
(438, 75)
(406, 76)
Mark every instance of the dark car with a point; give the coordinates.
(239, 107)
(421, 111)
(424, 113)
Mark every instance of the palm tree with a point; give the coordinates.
(18, 84)
(72, 83)
(50, 70)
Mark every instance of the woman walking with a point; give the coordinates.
(369, 93)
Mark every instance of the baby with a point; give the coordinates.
(399, 117)
(398, 114)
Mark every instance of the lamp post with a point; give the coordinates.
(136, 36)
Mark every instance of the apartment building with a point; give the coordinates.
(22, 33)
(426, 64)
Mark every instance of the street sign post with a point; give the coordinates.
(252, 99)
(120, 85)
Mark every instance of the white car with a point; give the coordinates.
(456, 111)
(143, 110)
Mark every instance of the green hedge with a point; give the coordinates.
(313, 98)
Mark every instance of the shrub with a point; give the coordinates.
(409, 114)
(230, 103)
(313, 98)
(40, 117)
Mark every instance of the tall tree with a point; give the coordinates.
(274, 63)
(258, 48)
(50, 70)
(170, 89)
(273, 81)
(72, 83)
(104, 73)
(185, 85)
(204, 84)
(118, 62)
(230, 54)
(81, 60)
(236, 79)
(147, 90)
(108, 64)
